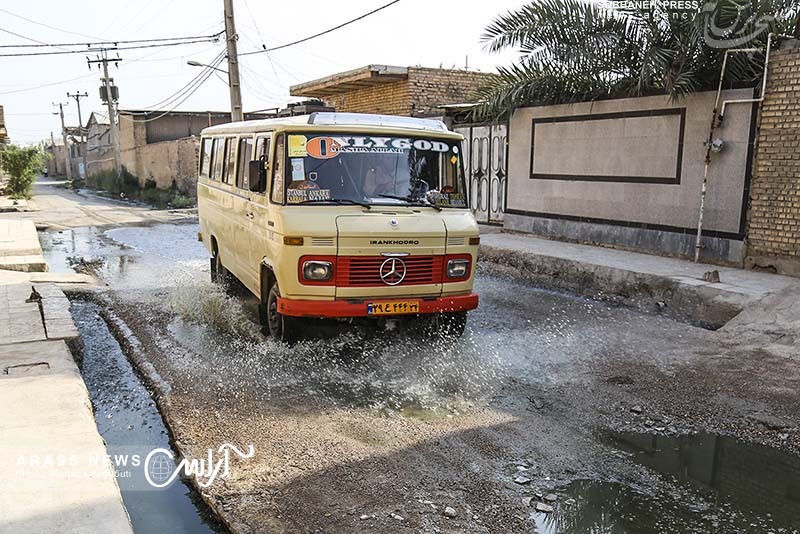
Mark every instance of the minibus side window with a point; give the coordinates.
(219, 153)
(262, 154)
(230, 161)
(205, 158)
(277, 172)
(245, 152)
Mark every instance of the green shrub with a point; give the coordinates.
(150, 193)
(22, 165)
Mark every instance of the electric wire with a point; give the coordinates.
(115, 48)
(48, 26)
(329, 30)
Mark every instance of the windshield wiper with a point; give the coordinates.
(335, 201)
(415, 201)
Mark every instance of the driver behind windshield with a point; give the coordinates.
(379, 179)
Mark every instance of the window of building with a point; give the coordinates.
(245, 153)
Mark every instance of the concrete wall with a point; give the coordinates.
(628, 172)
(99, 154)
(773, 238)
(165, 163)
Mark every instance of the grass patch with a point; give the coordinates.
(128, 187)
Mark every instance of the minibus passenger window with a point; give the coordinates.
(219, 152)
(230, 160)
(262, 154)
(205, 158)
(277, 175)
(245, 152)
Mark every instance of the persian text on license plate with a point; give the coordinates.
(393, 308)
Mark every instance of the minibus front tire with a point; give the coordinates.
(450, 324)
(280, 327)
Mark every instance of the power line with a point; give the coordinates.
(207, 75)
(342, 25)
(24, 89)
(100, 49)
(47, 25)
(187, 90)
(42, 44)
(50, 84)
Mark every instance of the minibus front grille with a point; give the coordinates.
(365, 271)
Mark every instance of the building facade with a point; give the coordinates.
(3, 131)
(389, 90)
(161, 148)
(773, 239)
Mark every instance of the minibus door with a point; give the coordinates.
(259, 211)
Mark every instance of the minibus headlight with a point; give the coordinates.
(457, 268)
(317, 271)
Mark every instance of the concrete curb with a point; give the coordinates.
(134, 351)
(697, 304)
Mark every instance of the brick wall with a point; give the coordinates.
(430, 88)
(773, 239)
(419, 95)
(385, 99)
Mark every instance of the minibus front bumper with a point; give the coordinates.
(363, 307)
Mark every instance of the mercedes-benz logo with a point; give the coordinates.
(393, 271)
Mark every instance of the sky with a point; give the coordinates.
(429, 33)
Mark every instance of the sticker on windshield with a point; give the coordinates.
(298, 170)
(297, 146)
(324, 147)
(452, 200)
(296, 196)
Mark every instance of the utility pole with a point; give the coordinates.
(233, 64)
(84, 139)
(64, 138)
(108, 91)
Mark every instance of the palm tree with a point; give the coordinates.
(578, 50)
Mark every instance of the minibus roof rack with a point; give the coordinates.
(367, 119)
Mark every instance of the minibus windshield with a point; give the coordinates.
(374, 169)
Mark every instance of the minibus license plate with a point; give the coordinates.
(393, 307)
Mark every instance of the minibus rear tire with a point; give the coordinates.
(219, 274)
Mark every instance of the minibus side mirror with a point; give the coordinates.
(257, 175)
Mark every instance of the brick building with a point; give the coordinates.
(3, 132)
(388, 90)
(773, 239)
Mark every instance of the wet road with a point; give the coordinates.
(378, 433)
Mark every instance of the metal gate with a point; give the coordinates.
(485, 162)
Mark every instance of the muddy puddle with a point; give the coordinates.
(712, 484)
(130, 424)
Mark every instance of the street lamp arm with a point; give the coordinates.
(198, 64)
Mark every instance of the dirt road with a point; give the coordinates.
(391, 433)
